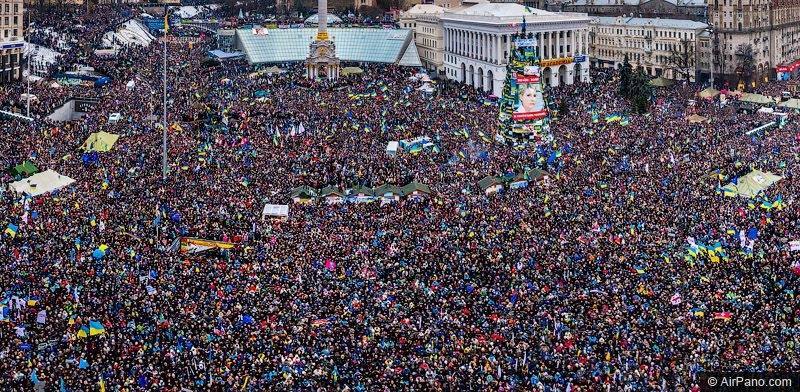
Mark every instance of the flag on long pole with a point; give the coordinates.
(166, 21)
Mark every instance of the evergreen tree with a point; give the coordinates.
(640, 91)
(625, 78)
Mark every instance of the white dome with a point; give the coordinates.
(314, 19)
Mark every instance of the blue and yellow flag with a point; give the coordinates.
(96, 328)
(11, 230)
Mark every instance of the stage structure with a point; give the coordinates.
(524, 113)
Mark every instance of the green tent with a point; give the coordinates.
(661, 82)
(709, 93)
(304, 192)
(414, 186)
(24, 169)
(346, 71)
(100, 142)
(751, 184)
(388, 189)
(792, 104)
(489, 182)
(330, 191)
(756, 98)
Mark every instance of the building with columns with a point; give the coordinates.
(478, 42)
(11, 42)
(648, 42)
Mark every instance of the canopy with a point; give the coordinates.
(273, 70)
(100, 141)
(756, 98)
(695, 118)
(24, 169)
(330, 191)
(41, 183)
(304, 191)
(388, 189)
(415, 187)
(275, 211)
(426, 88)
(792, 104)
(753, 183)
(352, 71)
(708, 93)
(661, 82)
(222, 55)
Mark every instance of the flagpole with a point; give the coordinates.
(164, 129)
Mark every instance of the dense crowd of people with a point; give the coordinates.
(584, 280)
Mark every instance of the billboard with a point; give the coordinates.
(524, 115)
(529, 103)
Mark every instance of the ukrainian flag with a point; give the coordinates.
(12, 230)
(96, 328)
(166, 22)
(33, 301)
(728, 191)
(83, 332)
(778, 203)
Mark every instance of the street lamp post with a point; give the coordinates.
(164, 167)
(28, 66)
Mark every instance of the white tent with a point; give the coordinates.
(280, 211)
(391, 148)
(751, 184)
(426, 88)
(41, 183)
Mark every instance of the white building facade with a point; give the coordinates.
(11, 40)
(477, 43)
(648, 42)
(424, 20)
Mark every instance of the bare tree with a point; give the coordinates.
(746, 65)
(681, 60)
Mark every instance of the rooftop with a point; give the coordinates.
(645, 22)
(352, 44)
(424, 9)
(688, 3)
(314, 19)
(504, 13)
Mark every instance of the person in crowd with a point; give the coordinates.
(585, 280)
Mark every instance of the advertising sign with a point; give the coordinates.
(558, 61)
(525, 42)
(84, 105)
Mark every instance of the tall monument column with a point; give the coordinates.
(322, 62)
(322, 17)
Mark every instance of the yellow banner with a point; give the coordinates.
(558, 61)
